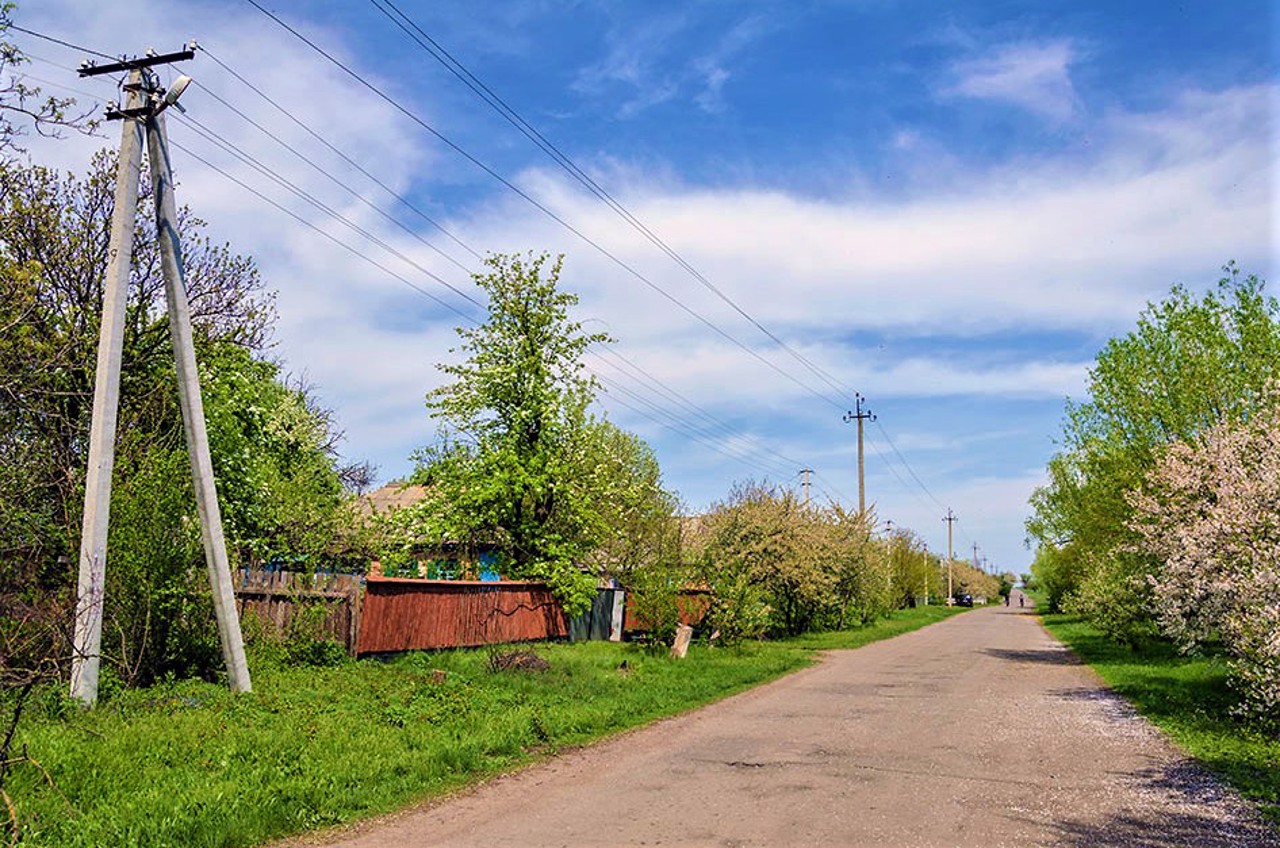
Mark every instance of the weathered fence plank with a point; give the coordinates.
(278, 597)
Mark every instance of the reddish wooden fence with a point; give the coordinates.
(410, 615)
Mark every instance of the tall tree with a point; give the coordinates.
(1209, 513)
(272, 447)
(1190, 363)
(507, 469)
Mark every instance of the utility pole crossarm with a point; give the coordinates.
(89, 68)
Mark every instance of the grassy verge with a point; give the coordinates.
(190, 764)
(1187, 698)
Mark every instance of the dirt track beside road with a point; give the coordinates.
(980, 730)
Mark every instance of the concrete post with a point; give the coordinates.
(215, 547)
(86, 656)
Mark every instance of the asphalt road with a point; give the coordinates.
(981, 730)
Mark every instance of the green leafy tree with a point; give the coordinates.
(1190, 363)
(916, 575)
(764, 546)
(272, 447)
(858, 563)
(516, 435)
(1209, 513)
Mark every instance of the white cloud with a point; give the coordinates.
(1046, 243)
(1034, 76)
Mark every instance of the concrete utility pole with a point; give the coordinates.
(860, 415)
(804, 484)
(87, 629)
(141, 114)
(926, 575)
(184, 355)
(975, 555)
(950, 518)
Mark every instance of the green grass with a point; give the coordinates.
(190, 764)
(1188, 698)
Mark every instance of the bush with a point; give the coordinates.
(1210, 513)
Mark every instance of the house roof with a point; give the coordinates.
(391, 497)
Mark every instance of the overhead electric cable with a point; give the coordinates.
(470, 320)
(432, 47)
(252, 162)
(239, 153)
(59, 41)
(357, 195)
(313, 227)
(541, 207)
(907, 466)
(350, 161)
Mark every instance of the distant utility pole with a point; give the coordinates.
(975, 555)
(926, 575)
(860, 415)
(805, 483)
(950, 518)
(145, 100)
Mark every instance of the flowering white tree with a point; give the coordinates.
(1210, 513)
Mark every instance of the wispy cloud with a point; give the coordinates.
(1035, 76)
(651, 64)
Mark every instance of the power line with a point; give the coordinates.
(59, 41)
(433, 47)
(907, 466)
(355, 194)
(541, 207)
(350, 161)
(252, 162)
(675, 422)
(316, 229)
(239, 153)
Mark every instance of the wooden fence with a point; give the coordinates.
(278, 598)
(378, 614)
(693, 605)
(408, 615)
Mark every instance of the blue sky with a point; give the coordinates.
(948, 207)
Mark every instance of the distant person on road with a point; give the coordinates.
(1021, 598)
(1006, 600)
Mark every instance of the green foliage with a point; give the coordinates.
(273, 451)
(778, 566)
(621, 477)
(272, 448)
(859, 566)
(520, 463)
(917, 575)
(1189, 364)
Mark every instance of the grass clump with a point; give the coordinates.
(190, 763)
(1189, 699)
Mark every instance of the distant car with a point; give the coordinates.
(963, 600)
